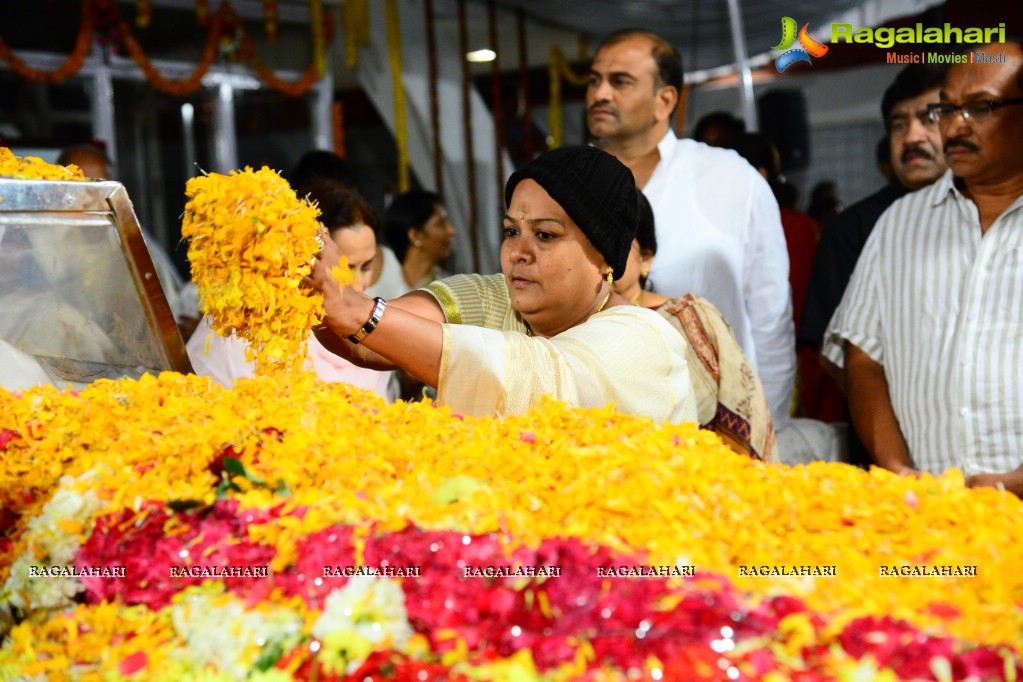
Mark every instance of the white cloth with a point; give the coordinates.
(719, 236)
(225, 362)
(941, 307)
(805, 441)
(486, 371)
(392, 282)
(19, 370)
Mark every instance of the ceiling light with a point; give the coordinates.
(484, 55)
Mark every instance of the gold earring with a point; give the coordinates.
(610, 277)
(418, 243)
(645, 272)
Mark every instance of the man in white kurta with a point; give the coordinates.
(719, 235)
(718, 225)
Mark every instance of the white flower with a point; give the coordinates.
(367, 609)
(221, 632)
(50, 545)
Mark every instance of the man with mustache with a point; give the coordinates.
(718, 224)
(930, 330)
(917, 161)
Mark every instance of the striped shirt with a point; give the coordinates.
(941, 307)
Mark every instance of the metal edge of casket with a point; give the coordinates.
(106, 197)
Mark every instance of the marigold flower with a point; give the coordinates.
(251, 241)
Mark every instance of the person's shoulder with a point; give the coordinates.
(714, 158)
(914, 210)
(636, 320)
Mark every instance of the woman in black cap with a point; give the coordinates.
(550, 325)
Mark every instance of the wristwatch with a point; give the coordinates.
(371, 323)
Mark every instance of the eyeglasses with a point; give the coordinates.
(977, 111)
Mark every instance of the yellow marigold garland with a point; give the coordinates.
(251, 241)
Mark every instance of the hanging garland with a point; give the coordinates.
(400, 124)
(431, 56)
(558, 68)
(496, 103)
(71, 66)
(270, 20)
(319, 46)
(355, 17)
(143, 13)
(224, 25)
(266, 74)
(202, 12)
(524, 108)
(186, 85)
(337, 121)
(470, 154)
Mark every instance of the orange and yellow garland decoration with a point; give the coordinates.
(223, 25)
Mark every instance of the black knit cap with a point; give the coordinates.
(597, 192)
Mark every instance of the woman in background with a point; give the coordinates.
(730, 399)
(416, 227)
(351, 225)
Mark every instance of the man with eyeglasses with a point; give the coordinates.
(930, 331)
(917, 160)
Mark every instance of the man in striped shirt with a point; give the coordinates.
(930, 330)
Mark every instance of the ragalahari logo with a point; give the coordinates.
(807, 46)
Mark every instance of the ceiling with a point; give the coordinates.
(701, 29)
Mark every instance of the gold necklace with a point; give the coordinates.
(639, 299)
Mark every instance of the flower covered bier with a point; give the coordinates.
(249, 545)
(251, 241)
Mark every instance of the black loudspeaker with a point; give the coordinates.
(784, 119)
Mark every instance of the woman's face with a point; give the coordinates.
(359, 245)
(639, 262)
(554, 273)
(435, 235)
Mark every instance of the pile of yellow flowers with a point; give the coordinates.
(34, 168)
(251, 240)
(671, 492)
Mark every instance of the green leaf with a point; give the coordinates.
(184, 505)
(455, 488)
(234, 466)
(270, 657)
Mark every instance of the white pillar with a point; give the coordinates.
(103, 127)
(321, 103)
(225, 149)
(749, 112)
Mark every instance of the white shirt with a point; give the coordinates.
(719, 236)
(392, 282)
(941, 307)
